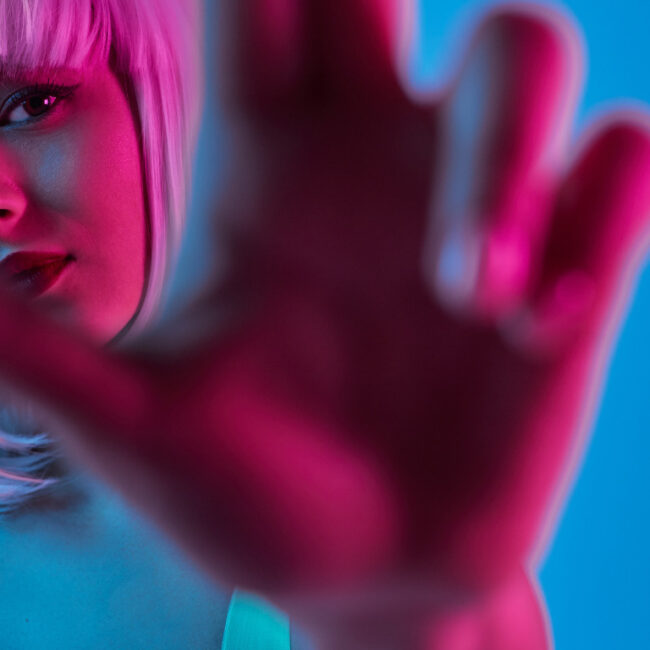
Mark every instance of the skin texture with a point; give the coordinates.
(377, 430)
(62, 190)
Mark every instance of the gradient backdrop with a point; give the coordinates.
(596, 576)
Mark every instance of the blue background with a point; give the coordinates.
(596, 574)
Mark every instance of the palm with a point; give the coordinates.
(465, 412)
(361, 419)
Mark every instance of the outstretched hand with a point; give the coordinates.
(417, 311)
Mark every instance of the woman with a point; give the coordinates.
(99, 109)
(422, 292)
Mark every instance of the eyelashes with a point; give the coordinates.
(33, 103)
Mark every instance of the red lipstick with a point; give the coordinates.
(33, 273)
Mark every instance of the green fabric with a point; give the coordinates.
(253, 624)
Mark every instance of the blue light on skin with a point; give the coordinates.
(464, 121)
(97, 576)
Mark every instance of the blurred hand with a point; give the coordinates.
(417, 312)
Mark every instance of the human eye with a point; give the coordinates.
(32, 103)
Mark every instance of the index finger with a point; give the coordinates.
(261, 52)
(277, 55)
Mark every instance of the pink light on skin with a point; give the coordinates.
(495, 190)
(506, 260)
(64, 192)
(350, 429)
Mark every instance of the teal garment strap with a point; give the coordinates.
(252, 624)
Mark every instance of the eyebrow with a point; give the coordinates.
(12, 75)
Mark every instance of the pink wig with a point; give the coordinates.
(154, 49)
(152, 46)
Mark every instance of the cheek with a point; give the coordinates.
(55, 175)
(88, 196)
(109, 199)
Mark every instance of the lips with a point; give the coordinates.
(33, 273)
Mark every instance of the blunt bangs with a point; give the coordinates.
(37, 34)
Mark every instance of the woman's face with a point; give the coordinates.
(72, 210)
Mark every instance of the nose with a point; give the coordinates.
(12, 202)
